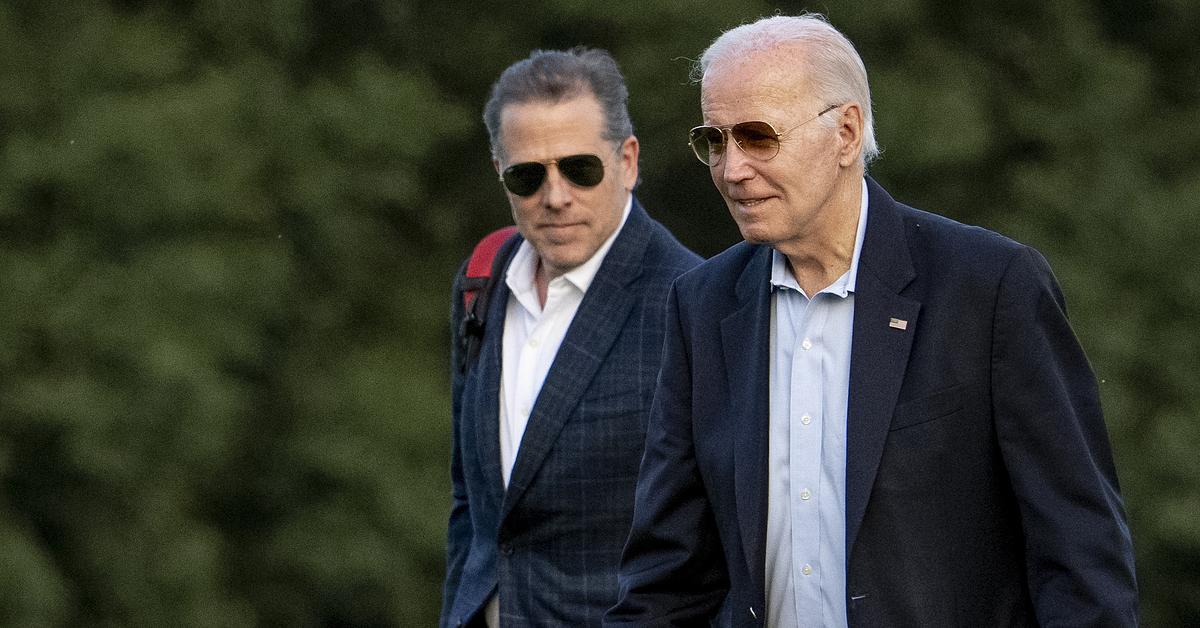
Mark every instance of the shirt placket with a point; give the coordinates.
(806, 412)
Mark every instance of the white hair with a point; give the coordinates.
(835, 70)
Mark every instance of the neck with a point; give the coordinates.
(819, 259)
(542, 275)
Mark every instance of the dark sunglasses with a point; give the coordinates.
(757, 139)
(525, 178)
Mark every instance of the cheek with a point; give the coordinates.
(524, 209)
(604, 202)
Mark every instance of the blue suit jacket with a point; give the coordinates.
(551, 542)
(980, 488)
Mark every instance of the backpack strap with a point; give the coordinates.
(481, 271)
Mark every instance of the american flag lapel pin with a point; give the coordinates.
(898, 323)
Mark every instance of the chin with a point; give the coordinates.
(565, 261)
(754, 236)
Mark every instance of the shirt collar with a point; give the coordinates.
(781, 277)
(520, 275)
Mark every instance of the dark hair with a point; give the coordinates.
(559, 75)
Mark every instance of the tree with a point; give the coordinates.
(227, 233)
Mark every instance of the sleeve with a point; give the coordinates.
(672, 570)
(459, 532)
(1079, 554)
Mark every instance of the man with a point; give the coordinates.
(550, 418)
(868, 415)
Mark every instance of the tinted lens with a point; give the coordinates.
(756, 139)
(708, 143)
(524, 179)
(582, 170)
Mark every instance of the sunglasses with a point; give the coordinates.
(525, 178)
(757, 139)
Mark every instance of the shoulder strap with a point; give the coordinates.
(485, 264)
(479, 267)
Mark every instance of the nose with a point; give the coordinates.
(735, 165)
(556, 190)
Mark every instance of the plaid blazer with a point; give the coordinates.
(550, 544)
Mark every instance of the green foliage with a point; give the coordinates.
(227, 232)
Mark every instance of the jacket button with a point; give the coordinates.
(506, 549)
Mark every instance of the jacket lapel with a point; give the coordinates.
(879, 349)
(597, 324)
(745, 336)
(487, 396)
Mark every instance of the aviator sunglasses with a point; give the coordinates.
(757, 139)
(525, 178)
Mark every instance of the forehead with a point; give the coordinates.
(769, 85)
(543, 130)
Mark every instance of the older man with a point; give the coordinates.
(868, 414)
(549, 418)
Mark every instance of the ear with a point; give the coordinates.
(850, 131)
(496, 164)
(629, 162)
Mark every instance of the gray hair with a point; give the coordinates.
(837, 72)
(555, 76)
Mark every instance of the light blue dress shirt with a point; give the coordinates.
(810, 381)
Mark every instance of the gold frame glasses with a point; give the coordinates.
(756, 139)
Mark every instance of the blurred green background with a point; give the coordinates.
(228, 230)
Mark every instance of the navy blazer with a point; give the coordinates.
(551, 543)
(980, 487)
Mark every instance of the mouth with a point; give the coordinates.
(559, 226)
(560, 232)
(750, 203)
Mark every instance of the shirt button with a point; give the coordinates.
(807, 344)
(806, 570)
(533, 342)
(806, 419)
(805, 494)
(506, 549)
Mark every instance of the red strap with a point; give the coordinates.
(484, 253)
(479, 267)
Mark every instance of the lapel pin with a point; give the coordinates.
(898, 323)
